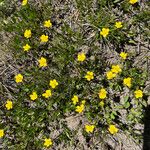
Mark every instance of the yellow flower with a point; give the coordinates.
(75, 99)
(44, 38)
(102, 93)
(116, 69)
(53, 83)
(33, 96)
(133, 1)
(1, 133)
(127, 82)
(18, 78)
(89, 128)
(123, 55)
(27, 34)
(110, 75)
(42, 62)
(47, 24)
(81, 57)
(83, 102)
(9, 105)
(48, 142)
(138, 94)
(104, 32)
(47, 94)
(24, 2)
(80, 108)
(113, 129)
(89, 75)
(118, 24)
(26, 47)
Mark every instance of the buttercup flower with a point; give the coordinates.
(42, 62)
(83, 102)
(48, 142)
(1, 133)
(53, 83)
(123, 55)
(113, 129)
(133, 1)
(110, 75)
(102, 93)
(47, 24)
(138, 94)
(118, 24)
(47, 94)
(26, 47)
(89, 128)
(89, 75)
(9, 105)
(27, 34)
(75, 99)
(81, 57)
(127, 82)
(104, 32)
(18, 78)
(44, 38)
(116, 69)
(24, 2)
(80, 108)
(33, 96)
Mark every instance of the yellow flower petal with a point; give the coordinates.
(1, 133)
(47, 24)
(53, 83)
(104, 32)
(27, 34)
(113, 129)
(18, 78)
(48, 142)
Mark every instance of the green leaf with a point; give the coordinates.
(127, 105)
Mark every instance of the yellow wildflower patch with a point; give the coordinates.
(75, 99)
(89, 128)
(127, 82)
(118, 24)
(104, 32)
(53, 83)
(110, 75)
(47, 24)
(113, 129)
(89, 76)
(44, 38)
(9, 105)
(116, 69)
(33, 96)
(102, 93)
(47, 142)
(26, 47)
(138, 94)
(81, 57)
(42, 62)
(80, 108)
(133, 1)
(123, 55)
(27, 34)
(1, 133)
(47, 94)
(24, 2)
(18, 78)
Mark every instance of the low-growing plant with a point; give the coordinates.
(63, 70)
